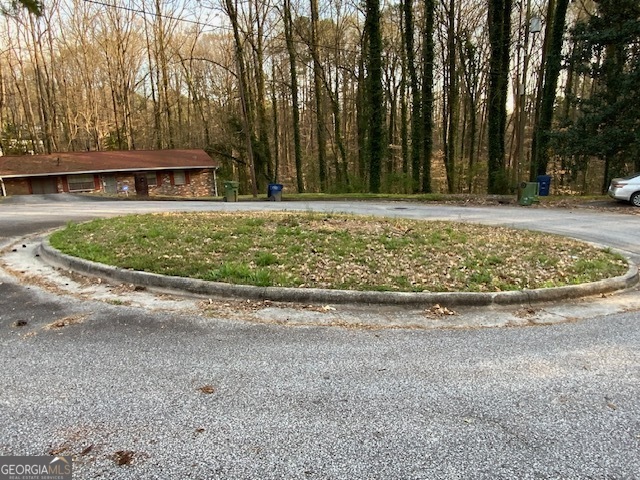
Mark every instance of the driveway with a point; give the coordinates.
(187, 396)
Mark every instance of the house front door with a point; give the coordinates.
(142, 186)
(110, 184)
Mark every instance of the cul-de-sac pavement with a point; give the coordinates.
(139, 385)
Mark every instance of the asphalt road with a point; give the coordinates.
(560, 401)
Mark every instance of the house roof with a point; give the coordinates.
(99, 162)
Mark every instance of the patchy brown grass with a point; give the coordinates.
(317, 250)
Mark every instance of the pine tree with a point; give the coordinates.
(33, 6)
(608, 125)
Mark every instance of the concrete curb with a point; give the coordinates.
(326, 296)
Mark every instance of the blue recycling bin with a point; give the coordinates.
(274, 192)
(544, 182)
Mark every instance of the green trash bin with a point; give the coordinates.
(231, 191)
(528, 193)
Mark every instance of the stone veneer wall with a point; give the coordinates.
(200, 185)
(121, 181)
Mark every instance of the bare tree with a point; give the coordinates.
(247, 113)
(499, 21)
(295, 107)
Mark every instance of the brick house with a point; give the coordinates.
(187, 173)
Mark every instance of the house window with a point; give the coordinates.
(152, 179)
(179, 178)
(81, 183)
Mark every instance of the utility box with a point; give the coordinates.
(274, 192)
(528, 194)
(231, 191)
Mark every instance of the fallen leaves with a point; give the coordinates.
(66, 321)
(86, 450)
(343, 252)
(58, 450)
(525, 312)
(439, 311)
(123, 457)
(126, 288)
(207, 389)
(233, 306)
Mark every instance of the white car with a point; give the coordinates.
(627, 189)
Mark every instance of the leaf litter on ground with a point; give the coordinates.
(336, 251)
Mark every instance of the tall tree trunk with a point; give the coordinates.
(52, 85)
(417, 143)
(163, 71)
(276, 125)
(247, 115)
(428, 57)
(362, 119)
(196, 99)
(539, 151)
(318, 93)
(392, 96)
(126, 98)
(499, 20)
(263, 154)
(537, 99)
(375, 96)
(114, 104)
(295, 107)
(341, 167)
(157, 124)
(452, 98)
(43, 94)
(470, 72)
(404, 110)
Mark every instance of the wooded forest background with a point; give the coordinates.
(335, 95)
